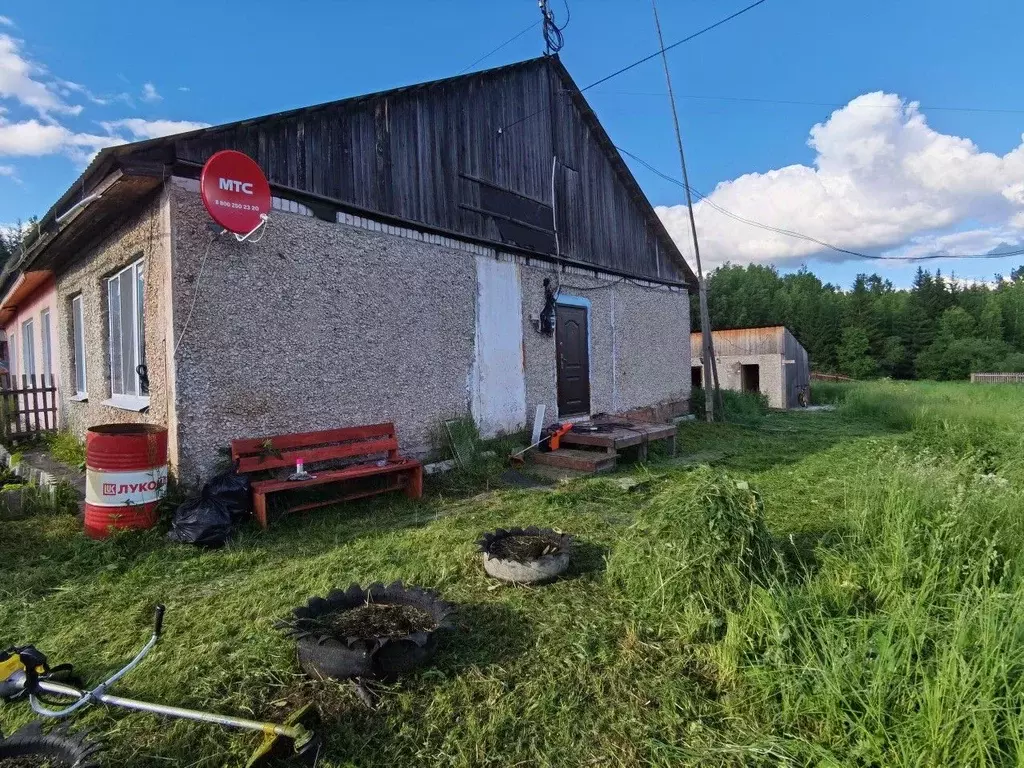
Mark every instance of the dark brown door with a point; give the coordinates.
(573, 350)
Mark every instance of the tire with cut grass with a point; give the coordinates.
(380, 632)
(525, 555)
(30, 747)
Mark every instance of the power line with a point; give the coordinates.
(793, 102)
(512, 39)
(638, 62)
(687, 39)
(809, 238)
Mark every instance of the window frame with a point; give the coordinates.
(78, 364)
(132, 401)
(28, 346)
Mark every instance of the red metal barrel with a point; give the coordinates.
(125, 476)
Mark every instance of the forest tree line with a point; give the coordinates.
(936, 329)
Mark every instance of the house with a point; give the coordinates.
(28, 320)
(418, 242)
(766, 360)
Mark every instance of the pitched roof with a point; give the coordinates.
(150, 158)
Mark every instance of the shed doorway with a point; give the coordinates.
(750, 378)
(572, 346)
(696, 377)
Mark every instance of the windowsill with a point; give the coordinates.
(128, 402)
(81, 397)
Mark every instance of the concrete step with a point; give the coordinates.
(573, 458)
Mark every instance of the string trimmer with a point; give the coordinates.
(24, 671)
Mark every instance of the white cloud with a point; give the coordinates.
(140, 129)
(882, 179)
(21, 79)
(34, 139)
(150, 93)
(6, 21)
(8, 170)
(184, 88)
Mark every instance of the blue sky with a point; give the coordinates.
(890, 177)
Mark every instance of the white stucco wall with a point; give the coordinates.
(498, 384)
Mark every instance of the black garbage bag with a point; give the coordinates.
(204, 521)
(233, 491)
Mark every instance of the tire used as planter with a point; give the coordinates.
(525, 555)
(381, 631)
(59, 747)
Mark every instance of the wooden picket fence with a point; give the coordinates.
(997, 378)
(29, 409)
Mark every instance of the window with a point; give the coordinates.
(12, 363)
(78, 331)
(28, 348)
(44, 339)
(125, 292)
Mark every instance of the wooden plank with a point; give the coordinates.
(35, 401)
(255, 445)
(312, 455)
(333, 476)
(407, 153)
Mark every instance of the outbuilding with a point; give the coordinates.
(466, 247)
(767, 360)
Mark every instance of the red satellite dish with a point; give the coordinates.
(235, 191)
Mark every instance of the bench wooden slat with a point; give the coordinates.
(255, 445)
(281, 451)
(333, 476)
(312, 455)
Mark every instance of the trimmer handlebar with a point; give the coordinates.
(158, 620)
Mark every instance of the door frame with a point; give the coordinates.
(580, 302)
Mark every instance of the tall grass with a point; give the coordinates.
(696, 550)
(906, 646)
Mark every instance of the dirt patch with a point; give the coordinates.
(380, 620)
(522, 548)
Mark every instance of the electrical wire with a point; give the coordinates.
(669, 47)
(831, 105)
(512, 39)
(801, 236)
(553, 38)
(195, 296)
(638, 62)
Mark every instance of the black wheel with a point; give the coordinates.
(59, 747)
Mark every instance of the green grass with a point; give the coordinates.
(824, 588)
(67, 448)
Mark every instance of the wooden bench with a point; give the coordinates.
(360, 447)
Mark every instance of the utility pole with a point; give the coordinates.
(710, 369)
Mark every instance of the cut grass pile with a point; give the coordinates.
(838, 588)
